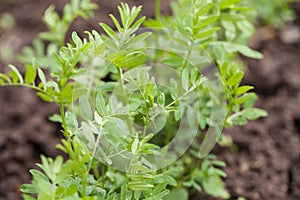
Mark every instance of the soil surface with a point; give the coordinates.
(267, 163)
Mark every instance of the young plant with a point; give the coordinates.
(141, 108)
(273, 13)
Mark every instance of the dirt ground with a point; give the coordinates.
(267, 164)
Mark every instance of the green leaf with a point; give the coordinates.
(152, 23)
(57, 164)
(243, 89)
(15, 74)
(214, 186)
(107, 86)
(77, 167)
(203, 10)
(135, 145)
(87, 135)
(230, 30)
(59, 191)
(27, 197)
(44, 96)
(71, 190)
(98, 118)
(233, 47)
(85, 108)
(138, 39)
(37, 175)
(246, 51)
(240, 120)
(235, 79)
(220, 172)
(134, 13)
(5, 78)
(207, 33)
(173, 61)
(194, 76)
(177, 194)
(218, 163)
(108, 30)
(146, 139)
(30, 74)
(28, 188)
(137, 24)
(254, 113)
(174, 89)
(185, 79)
(177, 114)
(100, 104)
(71, 121)
(121, 10)
(161, 99)
(247, 99)
(228, 3)
(77, 91)
(42, 78)
(202, 123)
(119, 55)
(100, 49)
(76, 39)
(117, 24)
(140, 186)
(204, 22)
(130, 59)
(55, 118)
(170, 180)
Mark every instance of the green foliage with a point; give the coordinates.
(57, 29)
(120, 109)
(273, 13)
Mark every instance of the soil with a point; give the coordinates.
(267, 163)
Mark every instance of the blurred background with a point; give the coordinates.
(264, 159)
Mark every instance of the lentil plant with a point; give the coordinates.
(142, 104)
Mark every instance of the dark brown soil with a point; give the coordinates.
(266, 166)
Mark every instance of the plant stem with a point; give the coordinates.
(184, 65)
(168, 134)
(197, 165)
(63, 119)
(192, 39)
(120, 74)
(103, 171)
(146, 123)
(90, 164)
(157, 9)
(125, 187)
(96, 170)
(124, 97)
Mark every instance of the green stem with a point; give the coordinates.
(63, 119)
(192, 39)
(90, 165)
(146, 123)
(96, 170)
(125, 188)
(124, 98)
(157, 9)
(197, 165)
(103, 171)
(120, 74)
(168, 134)
(188, 54)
